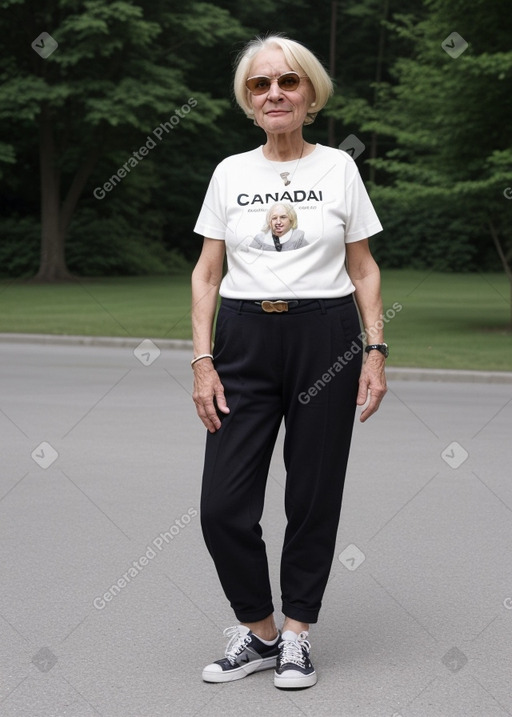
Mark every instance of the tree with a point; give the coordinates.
(445, 113)
(365, 53)
(117, 74)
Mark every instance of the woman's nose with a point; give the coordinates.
(274, 91)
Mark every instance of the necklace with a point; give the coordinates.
(284, 175)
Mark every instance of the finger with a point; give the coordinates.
(208, 415)
(373, 405)
(368, 411)
(221, 401)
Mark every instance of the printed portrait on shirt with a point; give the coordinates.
(280, 232)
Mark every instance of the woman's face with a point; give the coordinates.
(278, 111)
(280, 222)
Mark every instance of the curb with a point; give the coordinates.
(106, 341)
(394, 373)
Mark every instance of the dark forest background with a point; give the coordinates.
(436, 128)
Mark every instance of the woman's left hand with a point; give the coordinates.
(372, 384)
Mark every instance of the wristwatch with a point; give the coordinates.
(383, 348)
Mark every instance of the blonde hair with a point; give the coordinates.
(298, 57)
(290, 213)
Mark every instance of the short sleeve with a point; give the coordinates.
(362, 219)
(211, 221)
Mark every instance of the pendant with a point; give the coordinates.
(284, 176)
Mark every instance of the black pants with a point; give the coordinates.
(303, 366)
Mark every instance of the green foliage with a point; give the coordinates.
(97, 246)
(19, 246)
(113, 246)
(7, 156)
(121, 69)
(428, 232)
(449, 155)
(437, 130)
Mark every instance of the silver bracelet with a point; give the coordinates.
(201, 356)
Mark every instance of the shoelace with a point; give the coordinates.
(236, 644)
(291, 651)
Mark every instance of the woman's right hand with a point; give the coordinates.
(207, 387)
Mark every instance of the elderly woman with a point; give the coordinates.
(288, 345)
(280, 232)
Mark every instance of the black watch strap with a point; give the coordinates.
(383, 348)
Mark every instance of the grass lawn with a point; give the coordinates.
(456, 321)
(123, 306)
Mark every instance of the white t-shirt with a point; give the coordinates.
(332, 208)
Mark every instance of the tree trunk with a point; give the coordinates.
(378, 79)
(56, 217)
(331, 129)
(52, 265)
(502, 256)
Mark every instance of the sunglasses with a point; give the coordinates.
(260, 84)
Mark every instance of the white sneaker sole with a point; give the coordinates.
(291, 680)
(238, 673)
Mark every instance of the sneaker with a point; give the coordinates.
(294, 669)
(245, 654)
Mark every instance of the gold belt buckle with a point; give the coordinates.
(271, 306)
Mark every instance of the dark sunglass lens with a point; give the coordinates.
(289, 82)
(258, 85)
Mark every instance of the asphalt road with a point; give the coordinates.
(109, 602)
